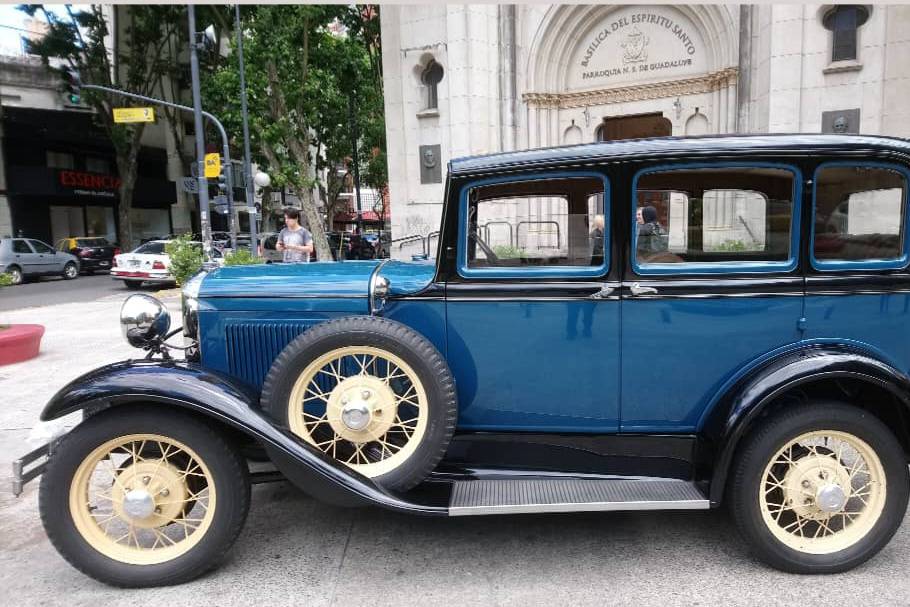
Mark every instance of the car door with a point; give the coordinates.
(532, 313)
(47, 258)
(25, 257)
(713, 284)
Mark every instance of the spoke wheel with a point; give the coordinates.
(142, 499)
(823, 492)
(361, 405)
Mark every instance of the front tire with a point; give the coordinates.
(819, 488)
(369, 392)
(137, 497)
(70, 271)
(16, 274)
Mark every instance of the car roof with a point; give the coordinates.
(673, 146)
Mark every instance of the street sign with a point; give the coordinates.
(212, 165)
(134, 114)
(190, 185)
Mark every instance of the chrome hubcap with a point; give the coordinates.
(138, 504)
(830, 498)
(356, 415)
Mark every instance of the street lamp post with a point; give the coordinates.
(200, 140)
(355, 161)
(247, 160)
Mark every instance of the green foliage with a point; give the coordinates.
(241, 257)
(505, 251)
(6, 280)
(186, 258)
(731, 246)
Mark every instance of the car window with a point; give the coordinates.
(41, 247)
(92, 242)
(61, 245)
(151, 248)
(859, 214)
(702, 217)
(536, 223)
(20, 246)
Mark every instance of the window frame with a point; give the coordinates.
(719, 267)
(531, 271)
(837, 265)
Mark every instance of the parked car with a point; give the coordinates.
(25, 258)
(267, 250)
(94, 253)
(149, 263)
(559, 355)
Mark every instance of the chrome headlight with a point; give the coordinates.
(191, 305)
(142, 319)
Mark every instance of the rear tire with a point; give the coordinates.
(180, 462)
(132, 285)
(819, 488)
(16, 273)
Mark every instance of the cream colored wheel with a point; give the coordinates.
(823, 492)
(361, 405)
(142, 499)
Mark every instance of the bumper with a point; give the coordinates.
(162, 277)
(94, 264)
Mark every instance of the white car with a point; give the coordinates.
(149, 263)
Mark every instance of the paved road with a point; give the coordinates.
(53, 290)
(297, 551)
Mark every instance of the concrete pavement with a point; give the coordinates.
(297, 551)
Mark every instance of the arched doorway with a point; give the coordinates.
(637, 126)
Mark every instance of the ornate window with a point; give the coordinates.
(431, 77)
(843, 21)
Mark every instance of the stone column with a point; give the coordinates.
(6, 218)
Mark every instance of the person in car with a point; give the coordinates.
(652, 238)
(294, 241)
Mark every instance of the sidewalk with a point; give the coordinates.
(78, 338)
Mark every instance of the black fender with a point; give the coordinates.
(744, 403)
(189, 386)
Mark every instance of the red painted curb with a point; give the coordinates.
(20, 342)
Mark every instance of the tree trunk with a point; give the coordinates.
(314, 222)
(128, 169)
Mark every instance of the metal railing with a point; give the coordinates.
(555, 223)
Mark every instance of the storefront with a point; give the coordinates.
(62, 182)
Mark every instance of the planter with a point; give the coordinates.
(20, 342)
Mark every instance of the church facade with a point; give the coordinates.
(475, 79)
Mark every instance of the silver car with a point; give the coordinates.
(25, 258)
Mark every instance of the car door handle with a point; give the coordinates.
(637, 290)
(604, 292)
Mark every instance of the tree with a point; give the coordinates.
(300, 70)
(136, 64)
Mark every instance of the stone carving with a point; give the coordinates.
(635, 47)
(638, 92)
(430, 166)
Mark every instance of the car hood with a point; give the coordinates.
(318, 279)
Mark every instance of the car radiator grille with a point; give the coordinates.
(253, 347)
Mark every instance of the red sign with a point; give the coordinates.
(94, 181)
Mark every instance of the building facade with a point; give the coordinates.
(475, 79)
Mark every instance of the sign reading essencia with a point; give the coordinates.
(638, 43)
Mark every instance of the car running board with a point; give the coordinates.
(524, 496)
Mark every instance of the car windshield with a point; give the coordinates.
(92, 242)
(151, 248)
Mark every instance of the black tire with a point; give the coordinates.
(133, 285)
(776, 432)
(16, 273)
(230, 477)
(393, 337)
(70, 271)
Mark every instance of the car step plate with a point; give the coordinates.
(572, 495)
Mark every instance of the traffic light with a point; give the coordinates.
(72, 84)
(222, 183)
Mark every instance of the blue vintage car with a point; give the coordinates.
(672, 323)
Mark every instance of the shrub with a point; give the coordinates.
(241, 257)
(186, 257)
(504, 251)
(6, 280)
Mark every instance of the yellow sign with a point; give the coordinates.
(212, 165)
(134, 114)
